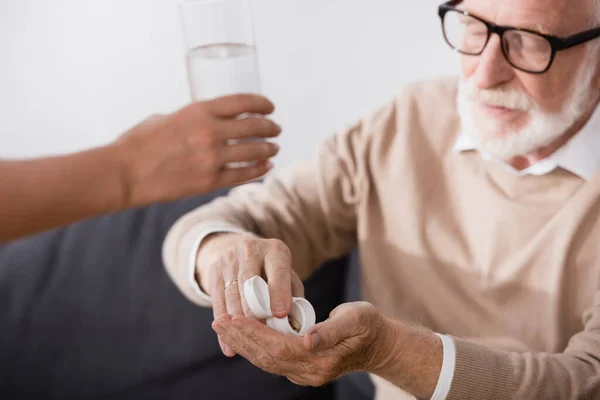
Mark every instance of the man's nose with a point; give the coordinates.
(493, 69)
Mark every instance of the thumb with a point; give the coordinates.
(331, 332)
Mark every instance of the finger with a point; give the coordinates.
(250, 151)
(227, 351)
(234, 105)
(248, 128)
(297, 286)
(217, 292)
(217, 326)
(265, 348)
(153, 119)
(250, 265)
(278, 270)
(266, 337)
(340, 326)
(234, 176)
(244, 345)
(288, 351)
(256, 331)
(219, 307)
(233, 297)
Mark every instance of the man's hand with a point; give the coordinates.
(187, 153)
(226, 261)
(355, 337)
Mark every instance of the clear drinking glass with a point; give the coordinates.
(220, 46)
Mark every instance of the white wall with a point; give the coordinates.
(77, 73)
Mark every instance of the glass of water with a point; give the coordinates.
(220, 46)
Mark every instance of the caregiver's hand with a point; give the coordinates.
(189, 152)
(163, 158)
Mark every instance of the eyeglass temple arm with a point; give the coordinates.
(578, 39)
(447, 6)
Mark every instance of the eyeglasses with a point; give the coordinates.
(524, 49)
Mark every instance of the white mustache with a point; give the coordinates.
(511, 99)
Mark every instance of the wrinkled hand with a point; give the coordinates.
(190, 151)
(353, 338)
(222, 258)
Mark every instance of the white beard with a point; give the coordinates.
(497, 139)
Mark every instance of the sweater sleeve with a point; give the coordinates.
(574, 374)
(311, 207)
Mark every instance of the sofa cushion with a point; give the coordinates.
(88, 311)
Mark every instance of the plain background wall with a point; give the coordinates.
(77, 73)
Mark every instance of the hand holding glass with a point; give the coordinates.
(221, 50)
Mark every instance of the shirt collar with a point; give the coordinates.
(580, 155)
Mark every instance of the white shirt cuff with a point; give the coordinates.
(448, 364)
(217, 228)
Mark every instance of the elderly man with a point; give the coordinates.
(475, 204)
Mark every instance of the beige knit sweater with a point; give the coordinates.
(507, 265)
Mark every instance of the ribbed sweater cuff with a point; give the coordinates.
(481, 373)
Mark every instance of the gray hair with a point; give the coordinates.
(594, 45)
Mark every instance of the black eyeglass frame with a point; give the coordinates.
(556, 43)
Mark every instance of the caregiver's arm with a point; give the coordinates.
(161, 159)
